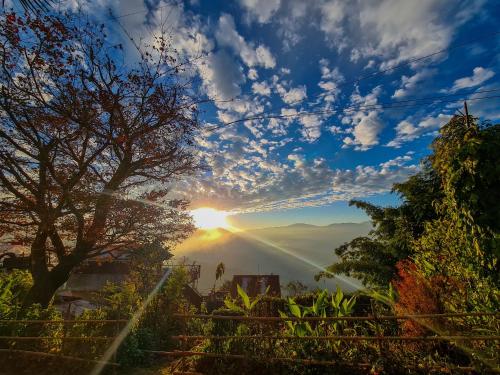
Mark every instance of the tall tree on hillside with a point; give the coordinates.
(82, 132)
(373, 258)
(463, 243)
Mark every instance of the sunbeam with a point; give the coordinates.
(247, 235)
(128, 327)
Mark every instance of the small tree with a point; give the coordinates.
(81, 133)
(219, 272)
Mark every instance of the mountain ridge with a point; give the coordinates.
(294, 252)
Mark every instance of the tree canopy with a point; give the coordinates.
(446, 230)
(90, 144)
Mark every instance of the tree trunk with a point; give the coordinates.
(46, 284)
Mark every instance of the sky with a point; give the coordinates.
(340, 65)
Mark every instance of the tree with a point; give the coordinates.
(462, 244)
(219, 272)
(373, 258)
(295, 288)
(33, 6)
(89, 145)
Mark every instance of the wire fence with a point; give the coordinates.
(65, 343)
(465, 340)
(79, 340)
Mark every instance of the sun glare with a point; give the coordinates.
(209, 218)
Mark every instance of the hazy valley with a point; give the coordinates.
(290, 251)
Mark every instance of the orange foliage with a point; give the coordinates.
(421, 295)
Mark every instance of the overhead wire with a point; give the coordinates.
(416, 102)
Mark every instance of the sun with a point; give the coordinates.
(209, 218)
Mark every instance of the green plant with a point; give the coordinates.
(245, 304)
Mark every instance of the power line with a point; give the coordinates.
(416, 102)
(408, 62)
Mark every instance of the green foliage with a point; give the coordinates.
(14, 287)
(295, 288)
(322, 306)
(373, 258)
(244, 304)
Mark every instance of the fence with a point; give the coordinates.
(379, 338)
(60, 339)
(65, 341)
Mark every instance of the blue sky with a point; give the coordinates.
(277, 57)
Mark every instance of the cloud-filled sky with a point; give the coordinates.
(332, 59)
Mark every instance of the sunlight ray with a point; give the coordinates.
(128, 327)
(247, 235)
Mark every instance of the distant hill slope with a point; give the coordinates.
(289, 251)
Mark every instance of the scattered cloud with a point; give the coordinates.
(221, 76)
(261, 10)
(292, 96)
(227, 36)
(479, 75)
(410, 83)
(365, 124)
(406, 131)
(298, 183)
(261, 88)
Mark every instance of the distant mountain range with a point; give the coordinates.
(294, 252)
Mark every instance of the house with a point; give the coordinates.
(94, 274)
(255, 285)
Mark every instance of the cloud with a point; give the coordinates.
(261, 10)
(410, 83)
(366, 130)
(389, 30)
(399, 30)
(365, 124)
(227, 36)
(294, 95)
(330, 79)
(311, 127)
(259, 183)
(252, 74)
(221, 76)
(261, 88)
(406, 131)
(333, 13)
(479, 75)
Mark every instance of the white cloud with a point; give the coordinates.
(409, 84)
(311, 127)
(400, 30)
(261, 10)
(366, 130)
(259, 182)
(221, 76)
(332, 14)
(406, 131)
(330, 79)
(292, 96)
(479, 75)
(365, 124)
(252, 74)
(261, 88)
(227, 36)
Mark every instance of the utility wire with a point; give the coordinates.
(408, 62)
(416, 102)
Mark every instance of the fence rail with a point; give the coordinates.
(312, 362)
(336, 318)
(341, 338)
(74, 321)
(57, 356)
(89, 338)
(378, 337)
